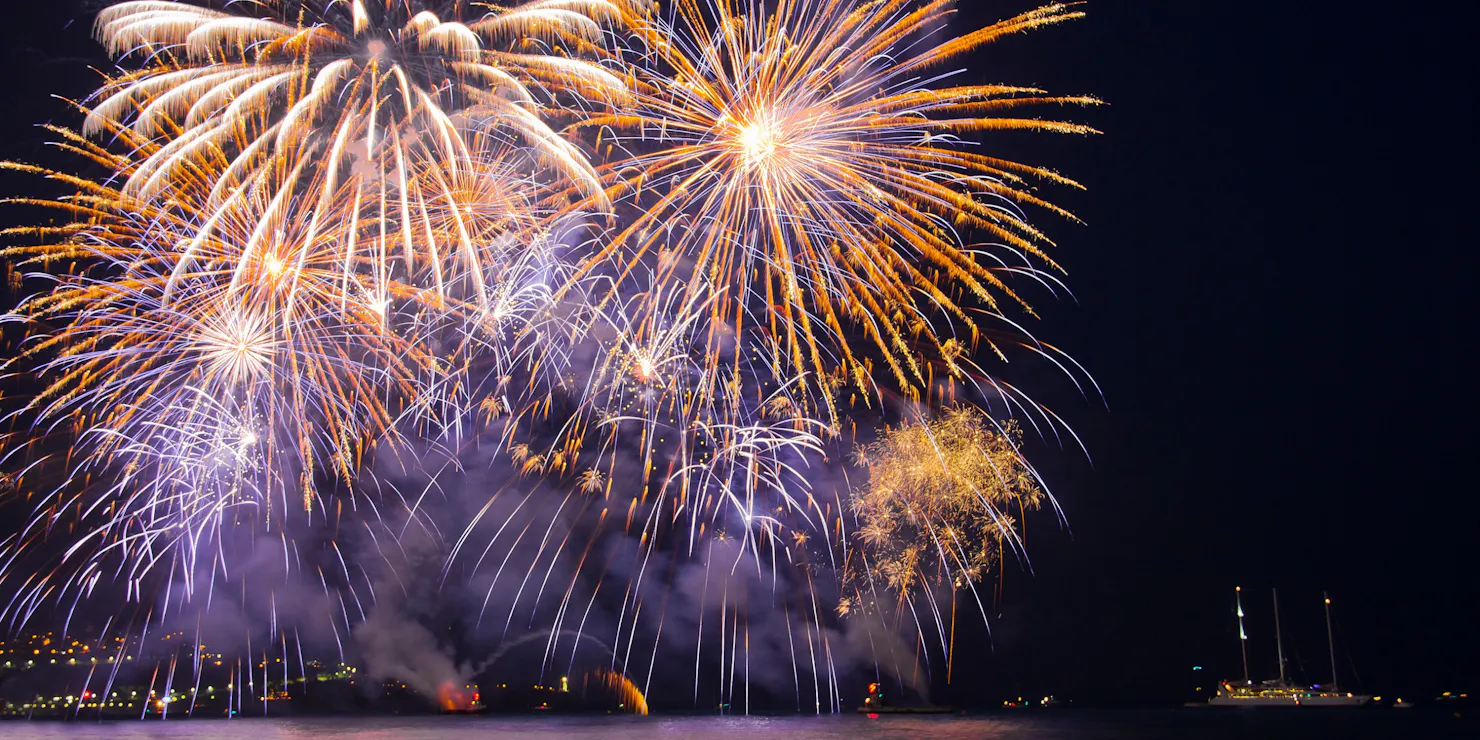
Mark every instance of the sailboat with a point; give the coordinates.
(1282, 693)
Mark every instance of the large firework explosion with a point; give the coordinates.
(642, 267)
(368, 87)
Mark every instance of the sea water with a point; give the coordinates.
(1069, 724)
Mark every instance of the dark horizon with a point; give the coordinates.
(1269, 290)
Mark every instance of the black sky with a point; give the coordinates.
(1272, 289)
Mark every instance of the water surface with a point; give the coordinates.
(1200, 724)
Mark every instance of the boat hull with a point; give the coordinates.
(1312, 700)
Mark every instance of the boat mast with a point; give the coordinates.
(1243, 637)
(1278, 643)
(1330, 639)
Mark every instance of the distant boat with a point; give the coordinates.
(1274, 694)
(1282, 693)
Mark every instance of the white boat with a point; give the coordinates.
(1282, 693)
(1273, 694)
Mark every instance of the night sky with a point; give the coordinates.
(1271, 290)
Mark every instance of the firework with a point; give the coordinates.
(203, 395)
(824, 176)
(630, 698)
(942, 505)
(214, 368)
(374, 95)
(335, 231)
(941, 499)
(804, 199)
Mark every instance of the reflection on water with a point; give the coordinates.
(1066, 725)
